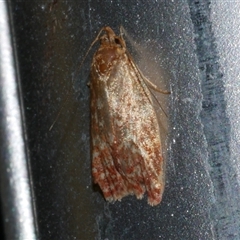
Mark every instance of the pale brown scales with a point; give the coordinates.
(127, 155)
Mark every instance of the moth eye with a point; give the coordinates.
(118, 42)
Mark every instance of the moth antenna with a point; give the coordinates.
(154, 87)
(158, 102)
(122, 30)
(147, 81)
(149, 84)
(94, 41)
(59, 112)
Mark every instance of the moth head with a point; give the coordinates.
(110, 38)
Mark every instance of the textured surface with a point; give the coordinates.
(194, 45)
(225, 22)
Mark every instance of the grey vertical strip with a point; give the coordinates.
(225, 208)
(15, 186)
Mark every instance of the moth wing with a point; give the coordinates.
(127, 156)
(104, 170)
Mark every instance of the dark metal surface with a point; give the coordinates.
(51, 39)
(16, 201)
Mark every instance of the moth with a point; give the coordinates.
(127, 155)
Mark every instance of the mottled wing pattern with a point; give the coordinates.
(126, 146)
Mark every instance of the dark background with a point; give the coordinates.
(51, 39)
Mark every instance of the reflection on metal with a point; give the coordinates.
(15, 187)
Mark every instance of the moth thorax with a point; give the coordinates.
(106, 57)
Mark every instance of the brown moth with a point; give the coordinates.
(126, 147)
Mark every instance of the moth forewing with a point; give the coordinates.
(155, 77)
(159, 98)
(126, 146)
